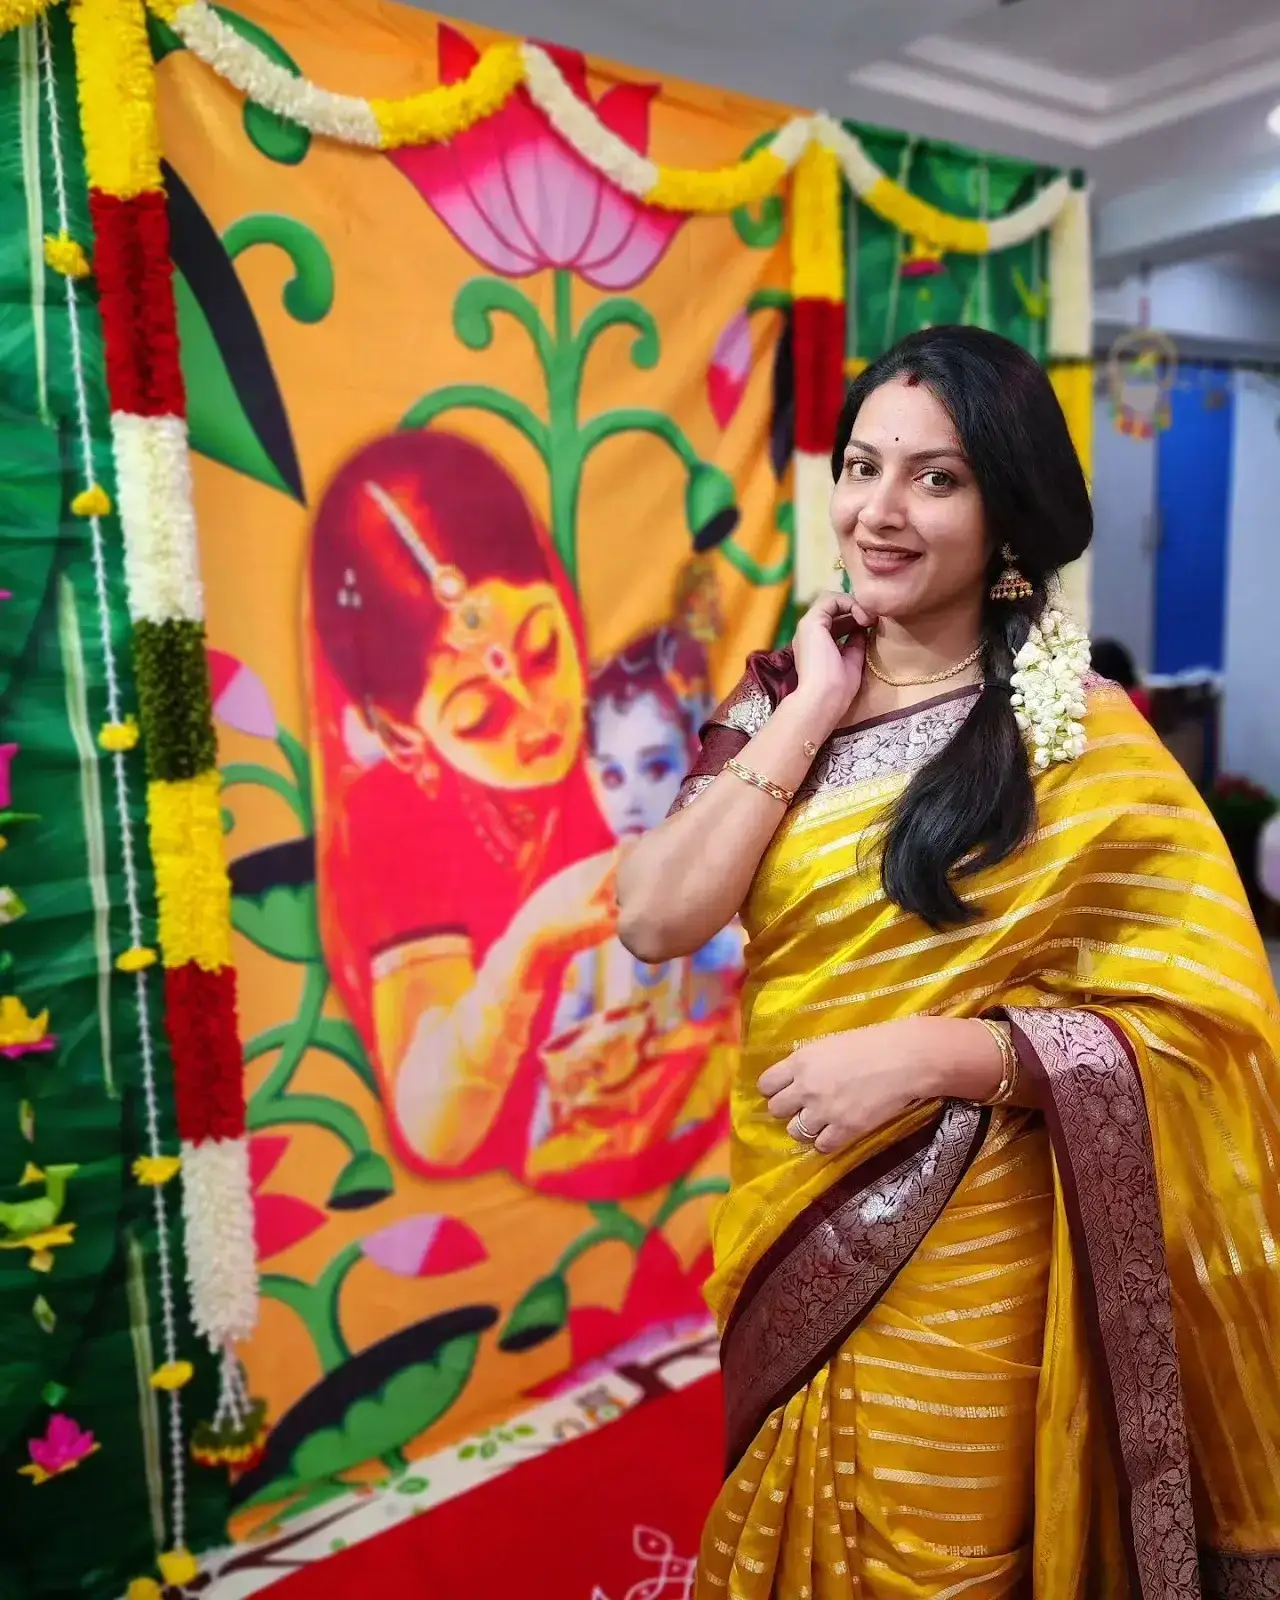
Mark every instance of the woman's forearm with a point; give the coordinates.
(687, 878)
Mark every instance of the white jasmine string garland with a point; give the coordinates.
(1048, 688)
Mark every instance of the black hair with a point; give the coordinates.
(973, 804)
(1110, 659)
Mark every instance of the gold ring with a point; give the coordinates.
(801, 1132)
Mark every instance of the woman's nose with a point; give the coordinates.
(885, 507)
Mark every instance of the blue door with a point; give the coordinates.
(1193, 498)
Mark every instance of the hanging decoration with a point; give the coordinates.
(134, 279)
(1141, 367)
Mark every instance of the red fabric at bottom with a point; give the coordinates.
(617, 1514)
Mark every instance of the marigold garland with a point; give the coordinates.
(132, 262)
(442, 113)
(18, 13)
(723, 189)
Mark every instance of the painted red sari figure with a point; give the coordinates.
(464, 863)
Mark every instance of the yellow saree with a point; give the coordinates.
(1024, 1353)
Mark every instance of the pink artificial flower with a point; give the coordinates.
(730, 368)
(425, 1246)
(519, 198)
(7, 753)
(240, 697)
(64, 1446)
(922, 267)
(280, 1220)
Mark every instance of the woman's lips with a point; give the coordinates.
(885, 560)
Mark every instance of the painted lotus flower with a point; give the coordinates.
(240, 697)
(64, 1446)
(520, 199)
(425, 1246)
(730, 369)
(280, 1220)
(7, 753)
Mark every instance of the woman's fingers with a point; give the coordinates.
(806, 1130)
(775, 1079)
(786, 1102)
(832, 610)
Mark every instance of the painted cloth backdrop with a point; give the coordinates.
(89, 1467)
(494, 496)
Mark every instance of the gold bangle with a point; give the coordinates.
(757, 782)
(1009, 1064)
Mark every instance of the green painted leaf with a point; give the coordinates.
(53, 1394)
(275, 136)
(43, 1312)
(467, 1452)
(281, 921)
(337, 1037)
(392, 1415)
(413, 1485)
(30, 509)
(27, 1120)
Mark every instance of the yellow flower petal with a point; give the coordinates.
(66, 255)
(17, 1026)
(31, 1174)
(118, 735)
(178, 1567)
(155, 1170)
(37, 1474)
(138, 959)
(92, 502)
(173, 1375)
(143, 1589)
(41, 1261)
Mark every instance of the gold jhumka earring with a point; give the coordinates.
(1011, 584)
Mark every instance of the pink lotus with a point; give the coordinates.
(520, 199)
(425, 1246)
(240, 697)
(730, 368)
(64, 1446)
(280, 1220)
(7, 753)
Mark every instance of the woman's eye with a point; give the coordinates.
(477, 715)
(937, 479)
(539, 645)
(860, 468)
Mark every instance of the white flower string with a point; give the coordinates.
(1048, 688)
(146, 1049)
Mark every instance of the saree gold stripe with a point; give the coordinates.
(1124, 908)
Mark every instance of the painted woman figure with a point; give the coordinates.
(652, 1046)
(463, 859)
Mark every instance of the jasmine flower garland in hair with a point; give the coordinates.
(1048, 688)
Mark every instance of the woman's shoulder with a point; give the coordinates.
(1122, 747)
(769, 677)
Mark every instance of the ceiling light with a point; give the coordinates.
(1273, 121)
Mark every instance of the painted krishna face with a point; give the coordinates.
(504, 691)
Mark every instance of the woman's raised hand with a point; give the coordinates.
(830, 649)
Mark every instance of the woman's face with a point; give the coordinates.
(638, 763)
(906, 508)
(504, 692)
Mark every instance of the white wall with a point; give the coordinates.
(1251, 709)
(1224, 302)
(1121, 559)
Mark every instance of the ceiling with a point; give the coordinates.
(1143, 94)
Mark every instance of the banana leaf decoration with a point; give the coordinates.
(236, 412)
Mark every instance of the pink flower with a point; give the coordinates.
(513, 193)
(425, 1246)
(240, 697)
(280, 1220)
(64, 1446)
(730, 368)
(7, 753)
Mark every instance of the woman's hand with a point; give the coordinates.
(576, 910)
(830, 649)
(844, 1088)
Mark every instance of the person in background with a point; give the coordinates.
(996, 1277)
(1110, 659)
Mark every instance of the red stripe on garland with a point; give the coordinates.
(200, 1019)
(818, 335)
(139, 318)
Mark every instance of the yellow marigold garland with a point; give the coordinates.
(117, 97)
(451, 109)
(191, 880)
(817, 241)
(721, 189)
(17, 13)
(945, 233)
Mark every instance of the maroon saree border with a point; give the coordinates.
(828, 1269)
(1228, 1576)
(1091, 1093)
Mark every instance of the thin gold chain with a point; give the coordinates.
(933, 677)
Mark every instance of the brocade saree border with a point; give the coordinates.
(1094, 1104)
(821, 1276)
(1228, 1576)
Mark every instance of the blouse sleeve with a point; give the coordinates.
(736, 721)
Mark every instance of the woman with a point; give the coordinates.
(447, 695)
(1007, 1113)
(464, 861)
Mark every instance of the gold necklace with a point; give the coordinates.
(933, 677)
